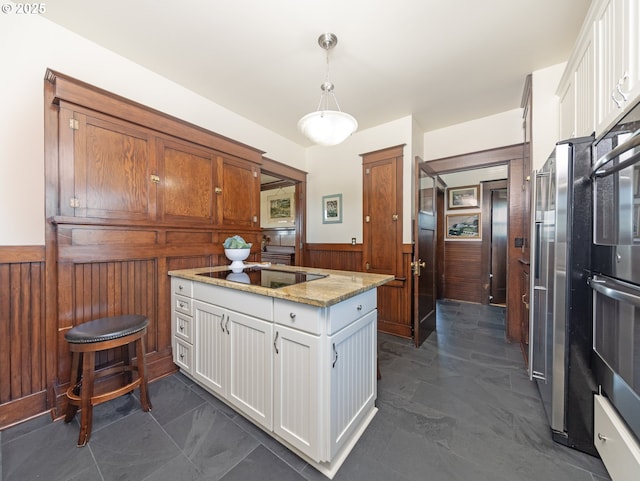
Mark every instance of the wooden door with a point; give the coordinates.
(187, 177)
(424, 265)
(106, 168)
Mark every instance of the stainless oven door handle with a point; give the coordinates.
(615, 290)
(632, 142)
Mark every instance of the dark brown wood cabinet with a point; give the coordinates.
(131, 194)
(382, 249)
(105, 167)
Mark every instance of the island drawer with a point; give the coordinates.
(182, 286)
(183, 327)
(345, 312)
(183, 355)
(183, 305)
(303, 317)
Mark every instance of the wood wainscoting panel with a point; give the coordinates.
(462, 265)
(22, 334)
(394, 298)
(101, 289)
(342, 257)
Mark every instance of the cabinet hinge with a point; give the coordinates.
(255, 174)
(74, 124)
(74, 202)
(367, 171)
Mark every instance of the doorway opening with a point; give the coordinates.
(282, 213)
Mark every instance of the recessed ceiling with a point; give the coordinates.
(442, 61)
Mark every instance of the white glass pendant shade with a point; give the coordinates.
(327, 127)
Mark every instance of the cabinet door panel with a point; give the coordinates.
(250, 368)
(297, 382)
(353, 381)
(210, 344)
(187, 182)
(239, 195)
(112, 167)
(381, 209)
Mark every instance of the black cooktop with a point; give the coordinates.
(265, 277)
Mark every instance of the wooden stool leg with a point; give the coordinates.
(74, 383)
(86, 393)
(142, 372)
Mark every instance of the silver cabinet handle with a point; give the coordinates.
(181, 304)
(222, 322)
(602, 437)
(180, 287)
(335, 355)
(226, 324)
(292, 315)
(275, 340)
(359, 307)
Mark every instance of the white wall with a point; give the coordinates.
(546, 113)
(481, 134)
(28, 45)
(338, 170)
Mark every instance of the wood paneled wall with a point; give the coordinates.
(463, 269)
(394, 298)
(23, 380)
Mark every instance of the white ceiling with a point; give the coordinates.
(442, 61)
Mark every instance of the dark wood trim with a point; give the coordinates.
(512, 156)
(14, 254)
(83, 94)
(283, 170)
(476, 160)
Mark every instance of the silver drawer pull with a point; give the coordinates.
(335, 355)
(181, 328)
(221, 323)
(180, 287)
(359, 307)
(602, 437)
(275, 345)
(181, 356)
(181, 305)
(292, 315)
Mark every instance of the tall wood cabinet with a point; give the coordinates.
(131, 194)
(383, 251)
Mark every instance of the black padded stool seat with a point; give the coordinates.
(95, 336)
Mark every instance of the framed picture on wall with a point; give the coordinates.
(463, 226)
(280, 208)
(332, 209)
(466, 197)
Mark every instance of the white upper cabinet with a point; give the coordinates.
(602, 77)
(617, 50)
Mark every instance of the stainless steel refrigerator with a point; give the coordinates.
(560, 336)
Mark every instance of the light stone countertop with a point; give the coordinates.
(324, 292)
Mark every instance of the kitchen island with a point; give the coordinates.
(292, 349)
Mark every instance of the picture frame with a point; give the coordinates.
(332, 209)
(466, 226)
(465, 197)
(280, 209)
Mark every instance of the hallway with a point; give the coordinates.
(458, 408)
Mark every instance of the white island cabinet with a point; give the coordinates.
(298, 361)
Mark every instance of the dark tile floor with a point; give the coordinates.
(459, 408)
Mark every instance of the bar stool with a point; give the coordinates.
(85, 340)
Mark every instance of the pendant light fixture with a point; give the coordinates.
(326, 126)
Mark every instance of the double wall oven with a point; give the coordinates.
(615, 266)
